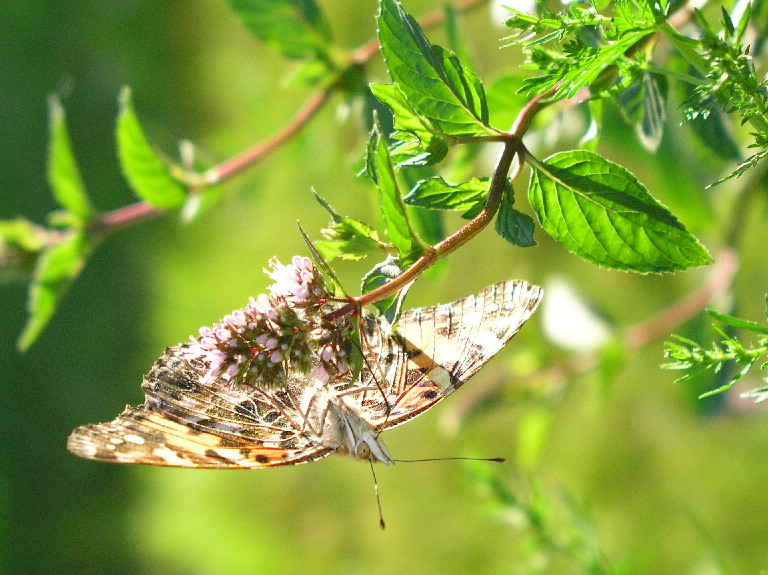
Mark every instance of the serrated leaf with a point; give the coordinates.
(437, 194)
(348, 238)
(738, 323)
(429, 148)
(433, 80)
(55, 270)
(514, 226)
(63, 173)
(602, 213)
(295, 28)
(398, 227)
(147, 174)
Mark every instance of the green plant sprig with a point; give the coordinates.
(694, 358)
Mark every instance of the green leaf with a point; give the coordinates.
(22, 233)
(399, 230)
(433, 80)
(380, 275)
(514, 226)
(55, 270)
(429, 148)
(148, 175)
(437, 194)
(295, 28)
(738, 323)
(63, 174)
(600, 212)
(347, 239)
(21, 242)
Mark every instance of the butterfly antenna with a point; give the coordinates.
(378, 499)
(488, 459)
(373, 366)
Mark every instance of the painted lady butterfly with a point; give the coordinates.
(229, 425)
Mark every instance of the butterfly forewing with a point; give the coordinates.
(436, 349)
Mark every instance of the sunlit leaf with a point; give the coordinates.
(429, 146)
(295, 28)
(63, 173)
(55, 270)
(437, 194)
(738, 323)
(380, 169)
(145, 171)
(347, 238)
(432, 79)
(602, 213)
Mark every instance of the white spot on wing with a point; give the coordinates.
(440, 377)
(232, 455)
(131, 438)
(169, 456)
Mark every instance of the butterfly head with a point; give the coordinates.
(372, 449)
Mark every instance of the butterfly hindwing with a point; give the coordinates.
(185, 424)
(436, 349)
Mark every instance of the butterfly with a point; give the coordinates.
(431, 353)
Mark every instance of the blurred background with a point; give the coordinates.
(623, 467)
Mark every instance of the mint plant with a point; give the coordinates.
(675, 80)
(595, 208)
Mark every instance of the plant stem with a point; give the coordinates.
(512, 148)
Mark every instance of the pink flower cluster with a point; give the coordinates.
(276, 334)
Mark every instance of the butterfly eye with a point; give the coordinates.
(363, 451)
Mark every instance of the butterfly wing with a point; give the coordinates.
(185, 424)
(436, 349)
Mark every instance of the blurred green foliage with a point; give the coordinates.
(669, 484)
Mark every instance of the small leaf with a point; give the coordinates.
(148, 175)
(63, 173)
(514, 226)
(599, 211)
(437, 194)
(22, 233)
(399, 230)
(347, 239)
(295, 28)
(55, 270)
(431, 146)
(433, 80)
(21, 242)
(747, 164)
